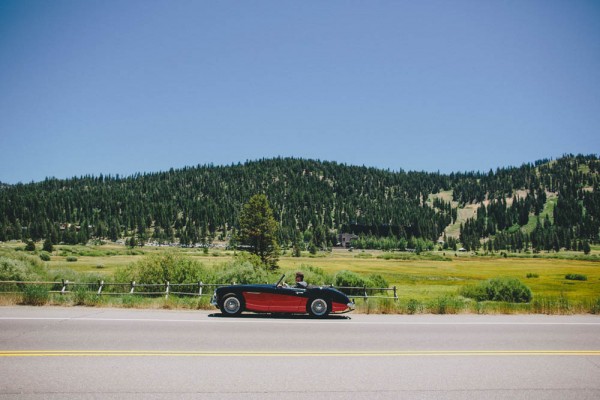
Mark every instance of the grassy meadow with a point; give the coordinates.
(424, 283)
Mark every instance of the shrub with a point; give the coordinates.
(80, 295)
(377, 281)
(130, 301)
(44, 256)
(595, 308)
(48, 246)
(35, 295)
(532, 275)
(241, 272)
(30, 246)
(446, 305)
(475, 292)
(576, 277)
(16, 270)
(71, 259)
(160, 268)
(413, 306)
(350, 279)
(510, 290)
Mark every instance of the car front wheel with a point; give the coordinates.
(318, 307)
(231, 305)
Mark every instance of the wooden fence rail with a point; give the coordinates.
(64, 286)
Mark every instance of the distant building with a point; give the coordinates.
(345, 239)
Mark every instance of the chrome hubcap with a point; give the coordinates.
(319, 307)
(232, 305)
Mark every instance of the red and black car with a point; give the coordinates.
(314, 300)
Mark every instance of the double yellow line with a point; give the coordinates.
(433, 353)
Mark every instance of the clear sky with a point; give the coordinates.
(119, 87)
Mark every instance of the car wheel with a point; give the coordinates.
(231, 305)
(318, 307)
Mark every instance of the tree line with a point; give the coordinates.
(312, 202)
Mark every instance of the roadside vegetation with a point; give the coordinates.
(432, 282)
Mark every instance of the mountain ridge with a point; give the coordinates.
(313, 200)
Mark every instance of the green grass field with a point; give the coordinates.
(416, 278)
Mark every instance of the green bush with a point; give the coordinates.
(475, 292)
(160, 268)
(377, 281)
(413, 306)
(44, 256)
(576, 277)
(532, 275)
(16, 270)
(71, 259)
(510, 290)
(241, 273)
(48, 246)
(80, 295)
(446, 305)
(595, 307)
(35, 295)
(350, 279)
(130, 301)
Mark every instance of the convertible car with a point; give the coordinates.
(279, 298)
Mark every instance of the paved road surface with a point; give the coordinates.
(56, 353)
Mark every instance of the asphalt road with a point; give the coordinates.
(52, 353)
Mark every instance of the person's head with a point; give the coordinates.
(299, 276)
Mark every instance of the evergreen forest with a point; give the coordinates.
(548, 205)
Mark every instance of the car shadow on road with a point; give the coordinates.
(280, 316)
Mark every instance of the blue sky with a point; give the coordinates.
(119, 87)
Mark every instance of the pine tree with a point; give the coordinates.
(48, 246)
(586, 247)
(258, 230)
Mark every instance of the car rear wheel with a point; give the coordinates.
(231, 305)
(318, 307)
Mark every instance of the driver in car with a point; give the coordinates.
(300, 284)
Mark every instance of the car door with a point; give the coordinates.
(288, 300)
(258, 300)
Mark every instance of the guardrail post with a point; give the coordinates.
(200, 288)
(167, 290)
(132, 287)
(64, 288)
(365, 292)
(395, 294)
(101, 286)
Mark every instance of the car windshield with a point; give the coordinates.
(280, 280)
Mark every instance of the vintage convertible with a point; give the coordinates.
(279, 298)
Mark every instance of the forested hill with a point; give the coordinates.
(313, 201)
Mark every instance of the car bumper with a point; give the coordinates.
(349, 307)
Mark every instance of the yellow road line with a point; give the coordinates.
(141, 353)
